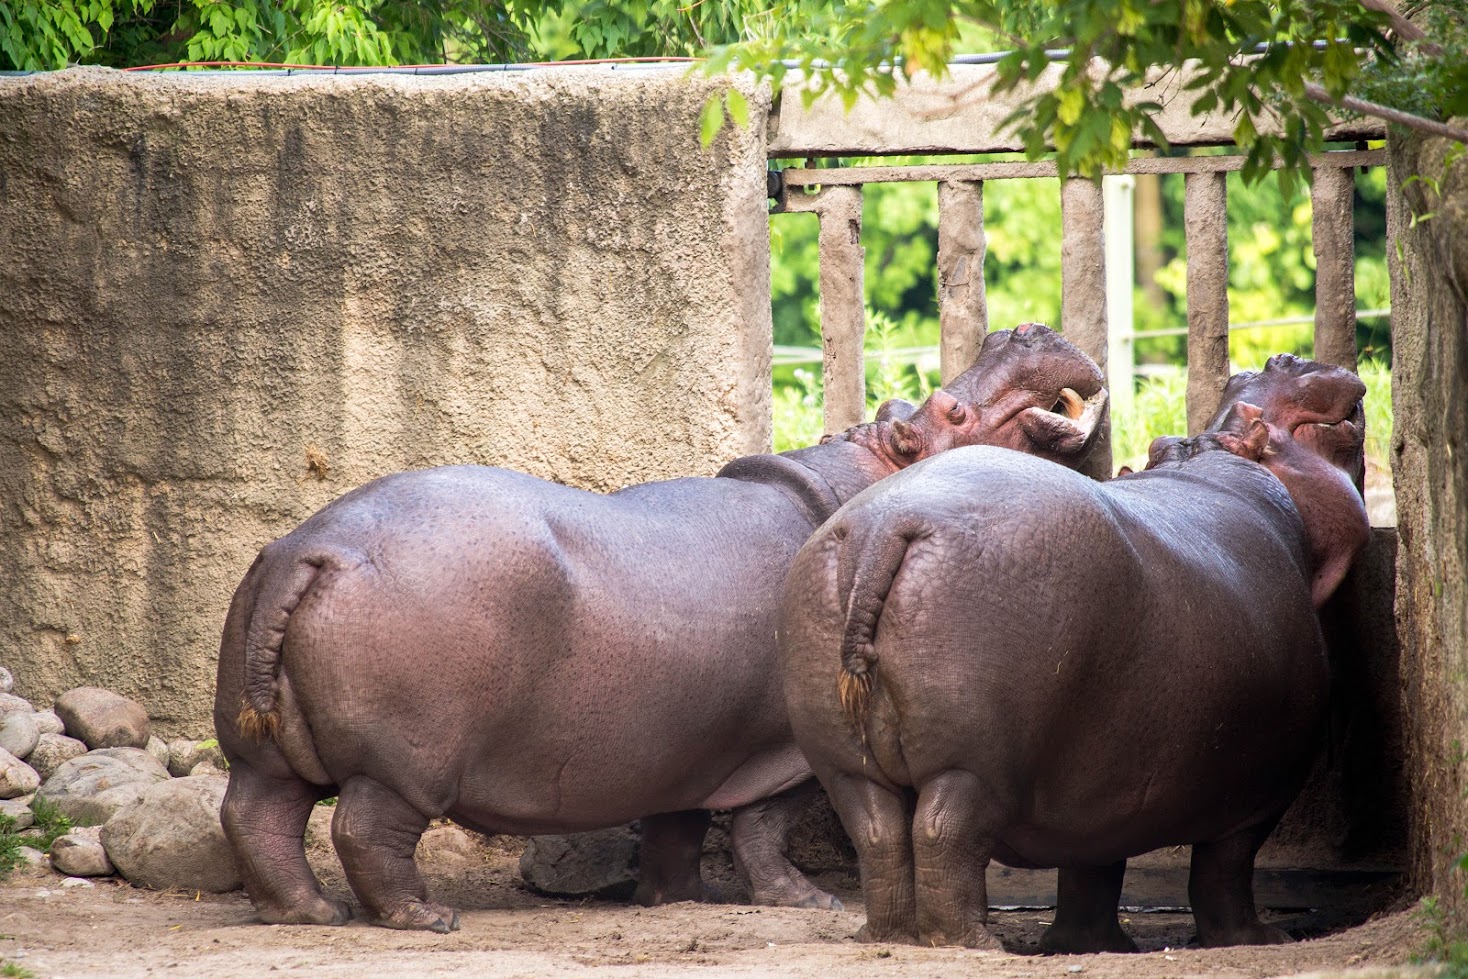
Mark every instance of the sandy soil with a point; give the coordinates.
(113, 929)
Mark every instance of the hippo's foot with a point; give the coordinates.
(1255, 933)
(796, 893)
(1080, 941)
(650, 894)
(977, 936)
(422, 916)
(320, 911)
(894, 935)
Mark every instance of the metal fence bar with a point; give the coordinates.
(1205, 226)
(852, 176)
(1083, 289)
(1332, 197)
(963, 311)
(843, 319)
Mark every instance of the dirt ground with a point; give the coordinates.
(113, 929)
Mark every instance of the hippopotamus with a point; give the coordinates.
(523, 657)
(988, 656)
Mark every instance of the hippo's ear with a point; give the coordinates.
(1125, 471)
(895, 409)
(1251, 444)
(904, 439)
(1160, 447)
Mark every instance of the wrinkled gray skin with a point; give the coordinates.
(522, 657)
(990, 657)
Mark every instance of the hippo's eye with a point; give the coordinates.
(956, 414)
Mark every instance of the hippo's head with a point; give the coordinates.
(1329, 503)
(1029, 389)
(1319, 405)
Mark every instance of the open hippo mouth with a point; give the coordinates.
(1067, 425)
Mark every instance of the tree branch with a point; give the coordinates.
(1405, 28)
(1379, 111)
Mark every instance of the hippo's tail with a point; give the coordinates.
(280, 592)
(869, 559)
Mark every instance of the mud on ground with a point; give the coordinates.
(113, 929)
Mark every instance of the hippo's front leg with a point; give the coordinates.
(953, 834)
(879, 821)
(376, 834)
(1221, 888)
(669, 860)
(1085, 912)
(759, 837)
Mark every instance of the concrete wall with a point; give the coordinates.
(226, 300)
(1430, 443)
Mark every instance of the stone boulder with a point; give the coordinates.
(170, 836)
(52, 751)
(184, 755)
(582, 864)
(102, 719)
(158, 748)
(7, 682)
(18, 811)
(80, 854)
(10, 702)
(18, 732)
(16, 777)
(48, 723)
(90, 788)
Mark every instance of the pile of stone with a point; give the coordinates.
(140, 807)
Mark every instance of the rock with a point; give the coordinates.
(48, 723)
(18, 810)
(582, 864)
(158, 748)
(10, 702)
(171, 837)
(18, 733)
(80, 853)
(446, 851)
(52, 751)
(184, 754)
(31, 856)
(102, 719)
(89, 789)
(7, 682)
(16, 777)
(207, 767)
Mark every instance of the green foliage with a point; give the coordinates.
(1251, 59)
(1445, 946)
(42, 34)
(10, 843)
(1157, 409)
(14, 970)
(50, 822)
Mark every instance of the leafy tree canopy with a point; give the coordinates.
(1290, 63)
(41, 34)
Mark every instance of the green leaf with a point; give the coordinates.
(738, 107)
(710, 120)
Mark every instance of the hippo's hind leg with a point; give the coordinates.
(1085, 912)
(759, 838)
(1221, 888)
(879, 821)
(265, 820)
(953, 833)
(376, 833)
(669, 862)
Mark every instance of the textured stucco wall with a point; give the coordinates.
(224, 301)
(1430, 442)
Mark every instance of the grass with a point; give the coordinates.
(1445, 948)
(14, 970)
(49, 824)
